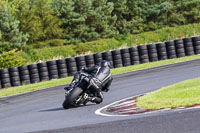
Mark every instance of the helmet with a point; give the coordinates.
(105, 63)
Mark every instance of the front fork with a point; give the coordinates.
(82, 99)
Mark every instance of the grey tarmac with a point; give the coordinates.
(41, 111)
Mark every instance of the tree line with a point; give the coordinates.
(39, 23)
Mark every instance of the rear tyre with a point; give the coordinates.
(71, 98)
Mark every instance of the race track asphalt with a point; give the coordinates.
(41, 111)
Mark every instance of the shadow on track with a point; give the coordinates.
(53, 109)
(61, 108)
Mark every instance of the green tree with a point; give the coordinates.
(50, 25)
(64, 9)
(121, 11)
(190, 10)
(9, 28)
(85, 20)
(156, 15)
(29, 22)
(100, 20)
(36, 18)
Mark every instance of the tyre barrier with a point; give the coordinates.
(89, 59)
(14, 76)
(24, 75)
(162, 51)
(134, 55)
(180, 51)
(196, 44)
(188, 46)
(71, 66)
(171, 50)
(143, 54)
(117, 58)
(152, 52)
(34, 74)
(52, 69)
(43, 71)
(97, 58)
(80, 62)
(62, 68)
(5, 78)
(126, 57)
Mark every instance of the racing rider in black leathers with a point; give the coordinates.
(101, 80)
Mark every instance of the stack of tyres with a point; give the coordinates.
(196, 44)
(71, 66)
(126, 57)
(188, 45)
(180, 51)
(14, 76)
(52, 69)
(171, 50)
(43, 71)
(5, 78)
(108, 56)
(143, 53)
(62, 68)
(34, 73)
(117, 59)
(80, 62)
(89, 59)
(161, 51)
(24, 75)
(134, 55)
(152, 51)
(97, 58)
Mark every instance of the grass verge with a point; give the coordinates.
(183, 94)
(46, 84)
(117, 42)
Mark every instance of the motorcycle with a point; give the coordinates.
(79, 93)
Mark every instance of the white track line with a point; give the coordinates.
(98, 111)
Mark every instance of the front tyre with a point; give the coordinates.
(71, 98)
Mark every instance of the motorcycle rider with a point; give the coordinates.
(101, 80)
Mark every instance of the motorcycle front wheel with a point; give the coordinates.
(71, 98)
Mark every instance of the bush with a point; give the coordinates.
(11, 59)
(30, 54)
(5, 46)
(49, 43)
(47, 53)
(97, 46)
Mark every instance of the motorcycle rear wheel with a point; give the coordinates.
(71, 98)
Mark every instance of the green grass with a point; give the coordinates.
(183, 94)
(117, 42)
(32, 87)
(45, 84)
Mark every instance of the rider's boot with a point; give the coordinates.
(97, 99)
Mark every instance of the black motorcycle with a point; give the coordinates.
(85, 87)
(79, 93)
